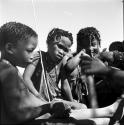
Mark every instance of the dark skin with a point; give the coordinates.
(96, 66)
(56, 52)
(21, 105)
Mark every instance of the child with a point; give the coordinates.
(88, 40)
(46, 70)
(17, 104)
(117, 49)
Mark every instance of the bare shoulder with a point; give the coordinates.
(6, 69)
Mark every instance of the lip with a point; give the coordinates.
(59, 57)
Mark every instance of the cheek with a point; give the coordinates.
(26, 56)
(55, 50)
(95, 47)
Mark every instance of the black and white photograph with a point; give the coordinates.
(62, 62)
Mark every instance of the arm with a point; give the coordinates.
(19, 103)
(74, 61)
(112, 56)
(65, 87)
(29, 70)
(96, 66)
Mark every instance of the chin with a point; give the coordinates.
(23, 65)
(58, 59)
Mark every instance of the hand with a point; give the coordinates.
(60, 110)
(36, 55)
(106, 56)
(83, 53)
(93, 66)
(77, 106)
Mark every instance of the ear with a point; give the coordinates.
(9, 47)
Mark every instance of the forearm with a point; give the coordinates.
(41, 110)
(28, 113)
(31, 87)
(67, 91)
(73, 62)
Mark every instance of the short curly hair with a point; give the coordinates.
(56, 33)
(13, 32)
(88, 34)
(116, 46)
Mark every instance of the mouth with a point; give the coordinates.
(59, 57)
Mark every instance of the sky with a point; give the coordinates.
(71, 15)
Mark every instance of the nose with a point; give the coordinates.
(91, 48)
(64, 53)
(61, 52)
(30, 58)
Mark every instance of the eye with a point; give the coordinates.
(62, 47)
(30, 50)
(93, 44)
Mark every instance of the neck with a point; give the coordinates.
(49, 59)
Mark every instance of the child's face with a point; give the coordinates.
(58, 48)
(91, 48)
(23, 51)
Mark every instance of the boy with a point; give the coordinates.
(17, 42)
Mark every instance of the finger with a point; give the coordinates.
(104, 49)
(84, 54)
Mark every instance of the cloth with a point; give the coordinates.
(78, 86)
(46, 77)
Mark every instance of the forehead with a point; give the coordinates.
(29, 42)
(95, 41)
(65, 41)
(90, 43)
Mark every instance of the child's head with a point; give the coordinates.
(116, 46)
(59, 41)
(89, 39)
(17, 42)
